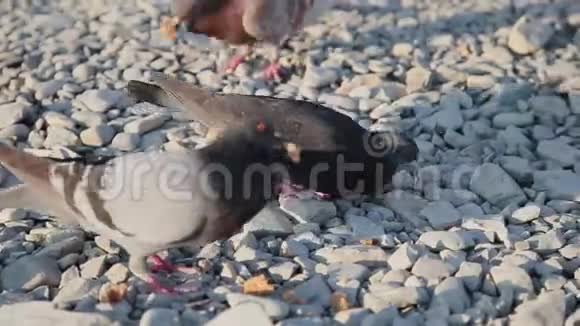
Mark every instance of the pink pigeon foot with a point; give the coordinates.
(161, 265)
(235, 62)
(273, 71)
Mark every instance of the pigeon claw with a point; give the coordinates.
(234, 63)
(322, 196)
(273, 71)
(161, 265)
(289, 190)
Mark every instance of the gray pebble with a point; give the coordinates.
(126, 141)
(275, 309)
(308, 210)
(159, 316)
(100, 100)
(451, 292)
(529, 35)
(144, 125)
(30, 272)
(246, 311)
(270, 221)
(12, 113)
(97, 136)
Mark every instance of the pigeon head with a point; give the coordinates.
(256, 138)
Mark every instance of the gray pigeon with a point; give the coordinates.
(147, 202)
(330, 153)
(247, 22)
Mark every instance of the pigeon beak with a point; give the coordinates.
(293, 151)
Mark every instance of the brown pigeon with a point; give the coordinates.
(148, 202)
(247, 22)
(321, 142)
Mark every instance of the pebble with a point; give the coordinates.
(364, 228)
(246, 311)
(546, 243)
(270, 221)
(471, 274)
(504, 120)
(550, 110)
(517, 167)
(431, 268)
(549, 306)
(440, 240)
(77, 289)
(118, 273)
(407, 205)
(144, 125)
(570, 251)
(404, 257)
(418, 78)
(12, 113)
(57, 136)
(318, 77)
(275, 309)
(370, 256)
(83, 72)
(351, 317)
(529, 35)
(283, 271)
(508, 278)
(30, 272)
(491, 182)
(48, 89)
(97, 136)
(12, 214)
(451, 292)
(293, 248)
(100, 100)
(441, 215)
(525, 214)
(94, 267)
(559, 152)
(314, 291)
(38, 312)
(160, 316)
(306, 211)
(382, 317)
(126, 141)
(400, 297)
(558, 184)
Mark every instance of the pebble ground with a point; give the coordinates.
(482, 230)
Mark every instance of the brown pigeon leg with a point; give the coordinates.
(238, 58)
